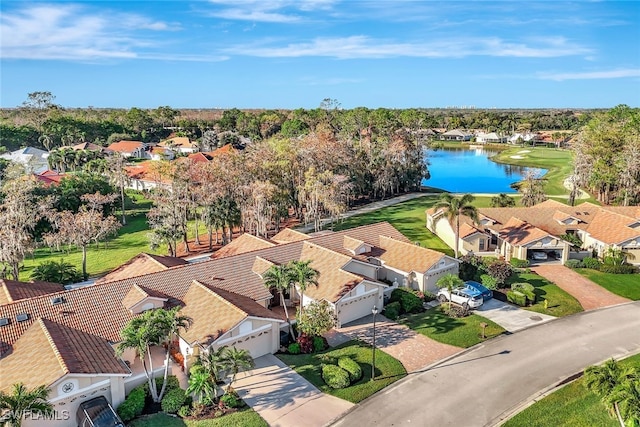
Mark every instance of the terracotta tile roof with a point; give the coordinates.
(146, 171)
(199, 157)
(138, 294)
(50, 177)
(260, 265)
(612, 228)
(48, 350)
(244, 243)
(351, 244)
(467, 230)
(11, 290)
(288, 235)
(519, 232)
(178, 142)
(141, 264)
(406, 256)
(126, 146)
(225, 149)
(88, 146)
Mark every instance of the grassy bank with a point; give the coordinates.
(560, 303)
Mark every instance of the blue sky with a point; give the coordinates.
(292, 54)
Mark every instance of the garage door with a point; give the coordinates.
(356, 307)
(258, 342)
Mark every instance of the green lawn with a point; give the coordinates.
(464, 332)
(560, 303)
(388, 369)
(625, 285)
(573, 405)
(244, 418)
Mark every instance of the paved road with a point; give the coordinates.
(477, 388)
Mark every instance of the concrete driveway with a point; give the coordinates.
(284, 398)
(509, 316)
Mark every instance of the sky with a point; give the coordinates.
(295, 53)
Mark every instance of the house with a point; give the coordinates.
(518, 232)
(520, 138)
(180, 144)
(145, 176)
(161, 153)
(73, 333)
(88, 146)
(456, 135)
(490, 138)
(34, 160)
(134, 149)
(49, 177)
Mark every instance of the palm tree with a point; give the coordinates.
(627, 396)
(237, 360)
(213, 362)
(201, 385)
(449, 281)
(502, 200)
(454, 208)
(279, 277)
(603, 380)
(116, 165)
(303, 275)
(14, 406)
(172, 324)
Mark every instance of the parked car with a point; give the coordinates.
(97, 412)
(539, 255)
(487, 294)
(464, 296)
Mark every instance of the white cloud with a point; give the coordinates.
(271, 11)
(592, 75)
(355, 47)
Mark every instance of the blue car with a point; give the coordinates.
(486, 293)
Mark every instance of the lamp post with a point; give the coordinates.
(374, 311)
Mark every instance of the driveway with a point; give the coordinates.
(589, 294)
(510, 317)
(481, 387)
(413, 350)
(284, 398)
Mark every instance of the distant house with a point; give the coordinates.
(49, 177)
(490, 138)
(88, 146)
(143, 176)
(456, 135)
(135, 149)
(34, 160)
(161, 153)
(180, 144)
(519, 138)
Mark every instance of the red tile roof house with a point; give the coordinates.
(136, 149)
(66, 339)
(518, 232)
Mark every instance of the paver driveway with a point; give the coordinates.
(413, 350)
(589, 294)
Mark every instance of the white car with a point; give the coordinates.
(463, 296)
(538, 255)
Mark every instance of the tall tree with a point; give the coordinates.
(532, 189)
(237, 360)
(116, 167)
(454, 208)
(279, 277)
(14, 406)
(502, 200)
(604, 379)
(303, 275)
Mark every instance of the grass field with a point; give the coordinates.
(388, 369)
(244, 418)
(573, 405)
(464, 332)
(560, 303)
(625, 285)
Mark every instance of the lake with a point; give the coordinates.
(461, 170)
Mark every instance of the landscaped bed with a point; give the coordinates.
(625, 285)
(243, 418)
(572, 405)
(460, 332)
(388, 369)
(559, 302)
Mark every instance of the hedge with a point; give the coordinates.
(133, 405)
(409, 301)
(592, 263)
(352, 367)
(335, 376)
(573, 263)
(392, 310)
(618, 269)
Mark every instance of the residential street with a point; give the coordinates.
(480, 387)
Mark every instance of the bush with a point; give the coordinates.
(294, 348)
(319, 343)
(500, 271)
(592, 263)
(172, 383)
(173, 400)
(519, 263)
(489, 282)
(335, 377)
(469, 266)
(618, 269)
(455, 310)
(392, 310)
(517, 298)
(306, 343)
(428, 296)
(409, 302)
(573, 263)
(351, 366)
(525, 289)
(230, 400)
(133, 405)
(184, 411)
(56, 272)
(327, 359)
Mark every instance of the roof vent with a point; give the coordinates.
(57, 300)
(22, 317)
(4, 321)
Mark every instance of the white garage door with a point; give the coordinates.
(258, 343)
(356, 307)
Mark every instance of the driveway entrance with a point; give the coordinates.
(509, 316)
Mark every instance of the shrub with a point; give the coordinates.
(327, 359)
(172, 383)
(574, 263)
(500, 271)
(56, 272)
(455, 310)
(319, 343)
(184, 411)
(294, 348)
(317, 318)
(618, 269)
(593, 263)
(526, 289)
(335, 377)
(517, 298)
(351, 366)
(409, 302)
(230, 400)
(173, 400)
(306, 343)
(519, 263)
(428, 296)
(392, 310)
(133, 405)
(489, 282)
(469, 266)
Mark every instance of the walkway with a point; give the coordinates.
(413, 350)
(589, 294)
(284, 398)
(510, 317)
(484, 385)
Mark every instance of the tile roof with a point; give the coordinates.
(261, 265)
(138, 294)
(126, 146)
(351, 244)
(406, 256)
(287, 235)
(518, 232)
(48, 350)
(612, 228)
(140, 264)
(11, 290)
(199, 157)
(178, 142)
(244, 243)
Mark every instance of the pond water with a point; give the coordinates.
(462, 170)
